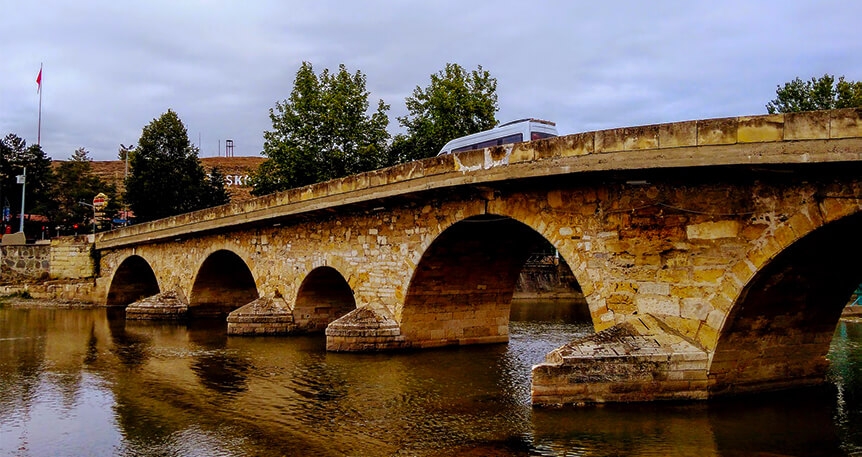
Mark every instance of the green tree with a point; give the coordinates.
(216, 191)
(165, 175)
(816, 94)
(76, 183)
(455, 103)
(14, 156)
(323, 131)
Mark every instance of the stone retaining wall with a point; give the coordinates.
(71, 258)
(62, 258)
(31, 260)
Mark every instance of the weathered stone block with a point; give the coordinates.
(695, 308)
(678, 134)
(808, 125)
(716, 131)
(644, 137)
(785, 235)
(845, 123)
(611, 140)
(548, 148)
(707, 275)
(519, 152)
(469, 160)
(405, 172)
(673, 275)
(654, 288)
(742, 271)
(712, 230)
(438, 165)
(760, 129)
(578, 144)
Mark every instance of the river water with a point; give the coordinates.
(84, 382)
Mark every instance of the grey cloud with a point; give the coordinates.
(110, 68)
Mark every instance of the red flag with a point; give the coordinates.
(39, 81)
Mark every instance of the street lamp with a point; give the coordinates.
(125, 151)
(94, 213)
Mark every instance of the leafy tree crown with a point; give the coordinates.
(455, 103)
(165, 174)
(322, 131)
(816, 94)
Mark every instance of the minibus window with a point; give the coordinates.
(540, 135)
(465, 148)
(516, 138)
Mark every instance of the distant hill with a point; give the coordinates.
(235, 169)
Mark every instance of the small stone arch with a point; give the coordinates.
(462, 287)
(323, 297)
(780, 326)
(133, 280)
(223, 283)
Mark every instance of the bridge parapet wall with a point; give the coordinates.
(675, 144)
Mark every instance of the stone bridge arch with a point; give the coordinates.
(222, 284)
(565, 221)
(132, 280)
(323, 296)
(779, 329)
(462, 287)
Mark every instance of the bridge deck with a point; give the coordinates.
(779, 139)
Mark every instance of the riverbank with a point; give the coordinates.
(24, 300)
(50, 291)
(15, 286)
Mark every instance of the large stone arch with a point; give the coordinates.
(132, 280)
(561, 220)
(323, 296)
(779, 329)
(222, 284)
(462, 287)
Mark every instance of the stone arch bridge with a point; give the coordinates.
(715, 255)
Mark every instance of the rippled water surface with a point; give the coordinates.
(81, 382)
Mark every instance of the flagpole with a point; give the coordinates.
(39, 128)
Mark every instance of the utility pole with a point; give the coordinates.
(126, 151)
(22, 179)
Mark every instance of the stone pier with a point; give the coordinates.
(169, 305)
(640, 359)
(364, 330)
(264, 316)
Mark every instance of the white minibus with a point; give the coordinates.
(508, 133)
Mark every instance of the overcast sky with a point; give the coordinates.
(112, 67)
